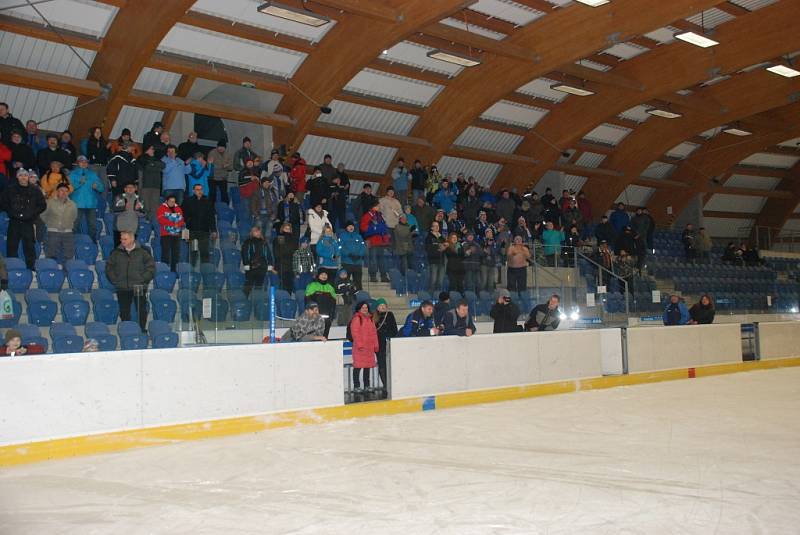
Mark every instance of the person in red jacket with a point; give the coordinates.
(376, 233)
(5, 159)
(365, 344)
(170, 219)
(297, 177)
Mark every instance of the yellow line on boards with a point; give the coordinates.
(124, 440)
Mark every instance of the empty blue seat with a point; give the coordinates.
(287, 308)
(165, 280)
(105, 311)
(69, 294)
(157, 327)
(42, 313)
(75, 312)
(61, 329)
(161, 266)
(106, 342)
(234, 280)
(94, 329)
(45, 263)
(69, 343)
(219, 309)
(86, 251)
(214, 281)
(81, 279)
(51, 280)
(36, 294)
(128, 327)
(241, 310)
(133, 341)
(231, 257)
(72, 265)
(19, 280)
(165, 340)
(106, 245)
(190, 281)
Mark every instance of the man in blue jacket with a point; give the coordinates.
(420, 322)
(87, 188)
(353, 251)
(619, 219)
(175, 171)
(445, 198)
(676, 312)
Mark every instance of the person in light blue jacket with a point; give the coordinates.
(446, 197)
(199, 173)
(87, 188)
(353, 251)
(174, 175)
(328, 252)
(676, 313)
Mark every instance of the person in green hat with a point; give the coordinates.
(386, 325)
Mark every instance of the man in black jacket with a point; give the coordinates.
(199, 213)
(130, 269)
(8, 123)
(52, 153)
(21, 154)
(458, 322)
(605, 231)
(190, 147)
(505, 313)
(545, 317)
(121, 170)
(24, 203)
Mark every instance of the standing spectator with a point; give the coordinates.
(473, 257)
(506, 206)
(328, 252)
(376, 235)
(263, 205)
(317, 220)
(284, 245)
(619, 218)
(651, 229)
(419, 179)
(345, 295)
(547, 197)
(121, 169)
(53, 178)
(364, 200)
(97, 152)
(21, 156)
(309, 327)
(122, 141)
(86, 194)
(5, 161)
(174, 174)
(455, 262)
(257, 260)
(472, 205)
(517, 256)
(201, 222)
(640, 224)
(412, 221)
(353, 251)
(403, 244)
(386, 325)
(505, 313)
(24, 203)
(552, 239)
(702, 313)
(433, 184)
(365, 344)
(65, 143)
(199, 172)
(490, 261)
(626, 242)
(424, 214)
(340, 191)
(445, 198)
(689, 241)
(274, 164)
(585, 206)
(704, 244)
(32, 137)
(675, 312)
(129, 208)
(400, 180)
(221, 164)
(327, 169)
(8, 123)
(171, 223)
(303, 259)
(151, 168)
(390, 209)
(290, 211)
(420, 322)
(435, 246)
(52, 152)
(322, 292)
(297, 176)
(189, 149)
(458, 322)
(571, 215)
(60, 217)
(153, 137)
(244, 154)
(130, 269)
(545, 316)
(604, 232)
(318, 189)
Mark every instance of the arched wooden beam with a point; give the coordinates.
(763, 34)
(133, 37)
(347, 48)
(776, 212)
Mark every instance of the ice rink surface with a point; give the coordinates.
(712, 455)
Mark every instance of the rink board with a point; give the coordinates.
(778, 340)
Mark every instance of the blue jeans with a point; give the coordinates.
(177, 192)
(377, 261)
(236, 198)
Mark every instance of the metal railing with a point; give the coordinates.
(773, 238)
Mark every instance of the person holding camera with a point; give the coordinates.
(130, 268)
(504, 312)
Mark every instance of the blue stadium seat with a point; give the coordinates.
(74, 264)
(51, 280)
(261, 309)
(45, 263)
(69, 294)
(234, 280)
(42, 313)
(61, 329)
(161, 267)
(287, 308)
(190, 281)
(163, 307)
(75, 312)
(241, 310)
(81, 279)
(106, 342)
(106, 245)
(19, 280)
(105, 311)
(93, 329)
(231, 257)
(165, 340)
(30, 334)
(128, 327)
(70, 343)
(157, 327)
(36, 294)
(214, 281)
(165, 280)
(219, 309)
(133, 341)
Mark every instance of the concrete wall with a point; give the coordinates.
(778, 340)
(661, 348)
(54, 396)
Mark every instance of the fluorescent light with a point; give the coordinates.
(594, 3)
(666, 114)
(784, 71)
(453, 57)
(737, 132)
(696, 39)
(296, 15)
(579, 91)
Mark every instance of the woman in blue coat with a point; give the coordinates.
(86, 193)
(328, 252)
(353, 250)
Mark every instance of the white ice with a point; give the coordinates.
(712, 455)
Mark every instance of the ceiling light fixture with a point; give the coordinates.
(783, 70)
(572, 90)
(666, 114)
(594, 3)
(696, 39)
(454, 58)
(735, 131)
(295, 15)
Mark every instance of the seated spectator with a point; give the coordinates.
(441, 308)
(505, 313)
(13, 346)
(309, 327)
(458, 322)
(675, 312)
(732, 255)
(420, 322)
(702, 313)
(60, 218)
(322, 292)
(750, 256)
(365, 344)
(91, 346)
(545, 316)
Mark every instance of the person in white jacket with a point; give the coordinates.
(317, 219)
(390, 208)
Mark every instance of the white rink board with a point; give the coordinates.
(778, 340)
(55, 396)
(437, 365)
(685, 346)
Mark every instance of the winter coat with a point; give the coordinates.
(198, 174)
(505, 208)
(324, 295)
(22, 153)
(121, 169)
(424, 215)
(328, 252)
(432, 243)
(403, 240)
(390, 210)
(241, 156)
(552, 241)
(128, 209)
(263, 203)
(704, 315)
(174, 174)
(221, 164)
(374, 229)
(22, 203)
(291, 212)
(8, 124)
(455, 325)
(316, 224)
(386, 325)
(284, 245)
(419, 178)
(188, 149)
(96, 151)
(490, 254)
(400, 178)
(87, 187)
(542, 318)
(445, 199)
(473, 254)
(365, 341)
(128, 269)
(505, 317)
(417, 325)
(5, 156)
(170, 220)
(455, 258)
(605, 232)
(318, 190)
(46, 156)
(303, 261)
(199, 214)
(50, 182)
(60, 216)
(619, 219)
(297, 176)
(256, 254)
(676, 314)
(352, 247)
(586, 209)
(152, 168)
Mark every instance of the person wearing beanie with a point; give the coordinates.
(244, 154)
(322, 292)
(441, 308)
(220, 161)
(364, 335)
(386, 325)
(151, 168)
(505, 313)
(13, 345)
(153, 139)
(353, 251)
(303, 263)
(24, 203)
(345, 295)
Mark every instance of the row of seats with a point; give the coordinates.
(66, 340)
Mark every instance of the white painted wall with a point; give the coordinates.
(662, 348)
(778, 340)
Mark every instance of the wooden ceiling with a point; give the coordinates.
(548, 47)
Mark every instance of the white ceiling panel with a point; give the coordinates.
(663, 35)
(682, 150)
(574, 182)
(658, 170)
(369, 118)
(484, 172)
(246, 11)
(485, 139)
(137, 120)
(791, 143)
(596, 65)
(541, 88)
(157, 81)
(393, 87)
(461, 25)
(82, 16)
(26, 104)
(228, 50)
(415, 55)
(752, 5)
(765, 159)
(637, 113)
(514, 114)
(635, 195)
(39, 55)
(626, 50)
(791, 228)
(507, 10)
(608, 134)
(724, 202)
(727, 227)
(711, 132)
(754, 182)
(711, 18)
(590, 159)
(355, 156)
